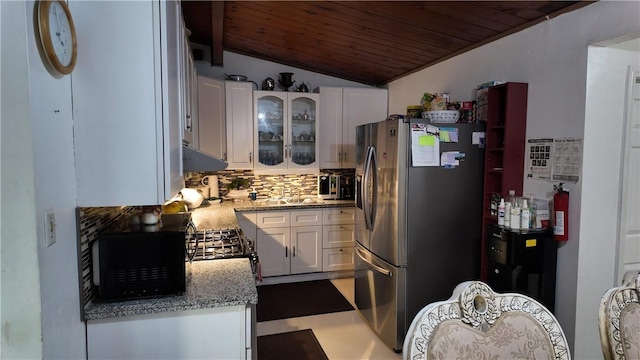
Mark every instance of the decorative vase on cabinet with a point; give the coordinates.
(286, 125)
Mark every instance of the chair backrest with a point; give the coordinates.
(477, 323)
(619, 321)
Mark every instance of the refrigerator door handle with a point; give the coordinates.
(365, 188)
(377, 268)
(373, 171)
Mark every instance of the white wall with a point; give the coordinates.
(257, 70)
(552, 58)
(51, 114)
(20, 289)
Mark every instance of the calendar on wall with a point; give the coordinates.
(554, 159)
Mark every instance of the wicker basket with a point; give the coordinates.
(442, 116)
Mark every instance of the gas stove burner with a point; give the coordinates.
(219, 244)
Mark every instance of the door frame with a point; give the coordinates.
(633, 80)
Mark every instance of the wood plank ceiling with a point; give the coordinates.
(371, 42)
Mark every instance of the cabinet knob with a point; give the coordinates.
(340, 250)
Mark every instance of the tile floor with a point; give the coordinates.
(343, 335)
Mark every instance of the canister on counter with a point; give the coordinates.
(414, 111)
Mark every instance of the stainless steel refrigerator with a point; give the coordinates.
(418, 227)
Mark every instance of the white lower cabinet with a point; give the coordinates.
(289, 242)
(306, 249)
(216, 333)
(301, 241)
(338, 236)
(273, 250)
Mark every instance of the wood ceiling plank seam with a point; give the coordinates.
(452, 10)
(444, 26)
(415, 47)
(513, 7)
(370, 40)
(354, 54)
(286, 25)
(336, 61)
(486, 14)
(543, 8)
(329, 61)
(405, 52)
(353, 20)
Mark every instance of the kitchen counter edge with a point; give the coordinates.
(209, 284)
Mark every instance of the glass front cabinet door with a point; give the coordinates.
(287, 127)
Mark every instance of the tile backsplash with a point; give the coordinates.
(93, 220)
(266, 184)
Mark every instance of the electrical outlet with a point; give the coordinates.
(49, 227)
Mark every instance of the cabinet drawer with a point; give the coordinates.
(338, 236)
(338, 216)
(337, 259)
(271, 219)
(306, 217)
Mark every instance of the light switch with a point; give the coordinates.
(49, 227)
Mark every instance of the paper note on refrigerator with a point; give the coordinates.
(449, 134)
(449, 159)
(425, 145)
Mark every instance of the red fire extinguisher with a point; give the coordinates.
(560, 214)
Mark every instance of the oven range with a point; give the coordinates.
(221, 244)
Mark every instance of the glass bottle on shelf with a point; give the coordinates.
(303, 130)
(270, 126)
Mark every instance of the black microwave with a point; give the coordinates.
(141, 261)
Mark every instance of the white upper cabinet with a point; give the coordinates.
(343, 109)
(239, 115)
(212, 133)
(285, 138)
(189, 98)
(126, 102)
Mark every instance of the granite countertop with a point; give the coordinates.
(209, 284)
(223, 215)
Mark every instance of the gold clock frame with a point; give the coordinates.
(44, 28)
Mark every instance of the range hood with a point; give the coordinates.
(195, 160)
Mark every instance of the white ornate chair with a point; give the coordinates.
(477, 323)
(619, 321)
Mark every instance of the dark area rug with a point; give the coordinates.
(294, 345)
(282, 301)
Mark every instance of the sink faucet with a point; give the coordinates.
(297, 192)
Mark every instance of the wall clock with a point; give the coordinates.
(57, 35)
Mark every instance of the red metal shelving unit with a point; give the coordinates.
(505, 151)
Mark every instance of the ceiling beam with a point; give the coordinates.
(217, 22)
